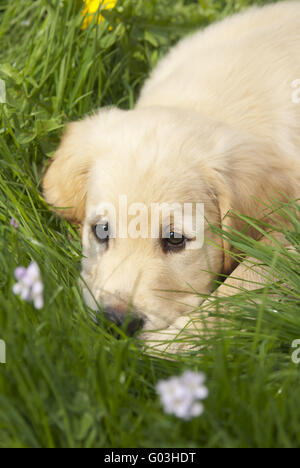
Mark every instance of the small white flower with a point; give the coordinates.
(180, 395)
(29, 285)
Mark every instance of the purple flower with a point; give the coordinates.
(14, 223)
(29, 285)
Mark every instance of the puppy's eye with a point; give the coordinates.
(174, 242)
(101, 232)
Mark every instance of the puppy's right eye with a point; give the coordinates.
(101, 232)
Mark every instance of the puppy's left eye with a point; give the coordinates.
(101, 232)
(174, 242)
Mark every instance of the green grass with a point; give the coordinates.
(68, 382)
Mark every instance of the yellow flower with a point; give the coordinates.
(92, 7)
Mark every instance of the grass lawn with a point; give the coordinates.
(68, 382)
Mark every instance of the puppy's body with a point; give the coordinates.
(240, 72)
(217, 124)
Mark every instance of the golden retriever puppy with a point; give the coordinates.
(216, 128)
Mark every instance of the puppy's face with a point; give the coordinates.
(115, 172)
(140, 257)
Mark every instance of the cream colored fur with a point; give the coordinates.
(215, 123)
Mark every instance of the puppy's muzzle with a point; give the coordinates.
(130, 322)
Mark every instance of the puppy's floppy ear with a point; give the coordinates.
(64, 184)
(65, 181)
(248, 175)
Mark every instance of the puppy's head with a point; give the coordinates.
(146, 185)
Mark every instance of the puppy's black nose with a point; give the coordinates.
(130, 322)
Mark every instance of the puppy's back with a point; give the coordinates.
(239, 71)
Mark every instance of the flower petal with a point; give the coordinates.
(17, 288)
(33, 272)
(37, 288)
(20, 272)
(196, 410)
(38, 302)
